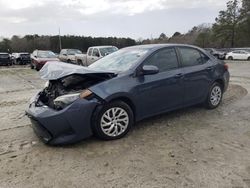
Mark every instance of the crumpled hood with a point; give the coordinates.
(54, 70)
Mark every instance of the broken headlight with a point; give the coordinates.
(64, 100)
(46, 84)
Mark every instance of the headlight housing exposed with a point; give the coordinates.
(46, 84)
(64, 100)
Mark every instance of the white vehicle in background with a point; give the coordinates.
(238, 55)
(93, 54)
(68, 55)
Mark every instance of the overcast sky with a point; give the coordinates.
(121, 18)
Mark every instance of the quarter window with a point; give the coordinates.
(192, 57)
(165, 59)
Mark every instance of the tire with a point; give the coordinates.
(230, 58)
(36, 68)
(214, 96)
(68, 61)
(79, 62)
(31, 65)
(248, 59)
(117, 129)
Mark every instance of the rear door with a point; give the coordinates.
(197, 68)
(162, 91)
(244, 55)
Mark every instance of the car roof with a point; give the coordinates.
(101, 46)
(240, 51)
(70, 49)
(159, 46)
(44, 50)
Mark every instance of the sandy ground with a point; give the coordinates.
(193, 147)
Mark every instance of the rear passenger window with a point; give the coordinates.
(192, 57)
(164, 59)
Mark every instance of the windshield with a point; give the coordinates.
(46, 54)
(108, 50)
(74, 51)
(119, 61)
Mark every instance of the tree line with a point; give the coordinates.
(231, 29)
(29, 43)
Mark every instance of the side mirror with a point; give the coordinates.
(149, 69)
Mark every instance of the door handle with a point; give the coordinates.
(209, 68)
(180, 75)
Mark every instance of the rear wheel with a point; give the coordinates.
(248, 58)
(214, 97)
(230, 58)
(113, 120)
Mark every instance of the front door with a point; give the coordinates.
(162, 91)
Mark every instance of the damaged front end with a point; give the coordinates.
(60, 93)
(61, 113)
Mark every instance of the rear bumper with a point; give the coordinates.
(66, 126)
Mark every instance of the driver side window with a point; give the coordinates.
(164, 59)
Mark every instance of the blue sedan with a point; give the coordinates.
(107, 98)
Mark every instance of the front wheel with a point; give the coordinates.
(248, 58)
(230, 58)
(32, 65)
(214, 97)
(113, 120)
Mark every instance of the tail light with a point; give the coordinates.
(43, 62)
(225, 66)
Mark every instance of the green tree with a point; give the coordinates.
(244, 24)
(162, 36)
(225, 28)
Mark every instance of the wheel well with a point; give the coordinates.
(127, 101)
(220, 81)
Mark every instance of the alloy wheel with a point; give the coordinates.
(114, 121)
(216, 95)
